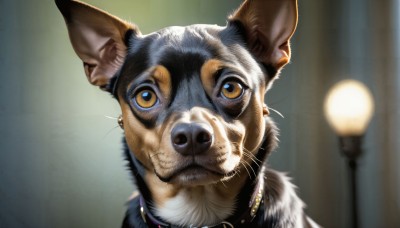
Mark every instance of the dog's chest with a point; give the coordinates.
(195, 206)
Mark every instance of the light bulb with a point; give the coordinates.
(349, 107)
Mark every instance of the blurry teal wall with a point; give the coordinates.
(60, 156)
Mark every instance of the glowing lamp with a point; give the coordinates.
(349, 107)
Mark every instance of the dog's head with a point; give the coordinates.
(192, 98)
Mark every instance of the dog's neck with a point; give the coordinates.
(205, 205)
(210, 205)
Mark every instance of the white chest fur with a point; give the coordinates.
(200, 206)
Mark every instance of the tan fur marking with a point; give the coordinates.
(163, 79)
(161, 191)
(232, 140)
(253, 119)
(208, 70)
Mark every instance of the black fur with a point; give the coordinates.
(274, 189)
(183, 51)
(133, 218)
(184, 63)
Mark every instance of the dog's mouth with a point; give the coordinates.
(194, 174)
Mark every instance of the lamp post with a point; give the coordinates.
(348, 108)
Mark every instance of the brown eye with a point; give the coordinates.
(146, 98)
(232, 90)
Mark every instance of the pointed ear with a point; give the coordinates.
(269, 25)
(98, 38)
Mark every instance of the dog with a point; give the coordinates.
(197, 131)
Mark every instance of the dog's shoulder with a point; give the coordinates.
(282, 206)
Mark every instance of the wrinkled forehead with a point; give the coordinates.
(184, 47)
(202, 40)
(183, 51)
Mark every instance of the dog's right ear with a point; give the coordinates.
(98, 38)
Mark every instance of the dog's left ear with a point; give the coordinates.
(98, 38)
(269, 25)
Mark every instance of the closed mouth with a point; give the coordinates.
(194, 169)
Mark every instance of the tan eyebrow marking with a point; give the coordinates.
(163, 78)
(207, 73)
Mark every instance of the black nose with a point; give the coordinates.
(191, 138)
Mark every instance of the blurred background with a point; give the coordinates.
(61, 162)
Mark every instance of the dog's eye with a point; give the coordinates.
(146, 98)
(232, 90)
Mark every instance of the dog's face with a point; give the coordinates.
(193, 103)
(192, 98)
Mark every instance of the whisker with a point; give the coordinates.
(252, 158)
(237, 171)
(110, 117)
(223, 183)
(255, 175)
(279, 114)
(109, 132)
(244, 165)
(248, 154)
